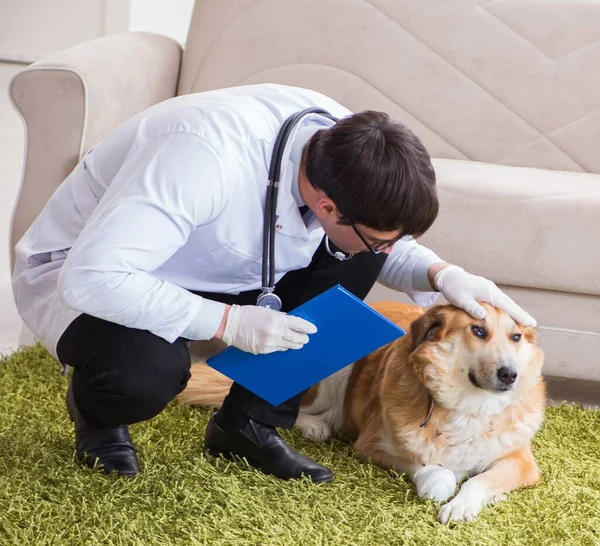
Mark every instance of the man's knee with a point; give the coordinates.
(130, 393)
(124, 376)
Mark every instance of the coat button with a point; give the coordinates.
(278, 226)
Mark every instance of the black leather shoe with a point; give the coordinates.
(111, 448)
(263, 448)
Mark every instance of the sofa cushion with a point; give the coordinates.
(519, 226)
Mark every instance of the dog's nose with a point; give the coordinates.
(507, 374)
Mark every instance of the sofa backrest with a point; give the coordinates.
(513, 82)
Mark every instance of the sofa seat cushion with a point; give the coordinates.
(519, 226)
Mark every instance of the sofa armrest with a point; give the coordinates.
(73, 99)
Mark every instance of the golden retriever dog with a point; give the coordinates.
(454, 398)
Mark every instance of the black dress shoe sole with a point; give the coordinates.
(255, 464)
(90, 462)
(234, 457)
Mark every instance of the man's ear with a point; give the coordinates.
(325, 207)
(429, 327)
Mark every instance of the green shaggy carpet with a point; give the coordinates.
(186, 497)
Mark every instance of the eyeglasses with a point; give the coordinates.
(376, 248)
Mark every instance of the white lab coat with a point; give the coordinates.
(173, 201)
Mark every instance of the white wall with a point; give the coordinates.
(30, 29)
(169, 17)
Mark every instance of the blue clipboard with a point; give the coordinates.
(348, 329)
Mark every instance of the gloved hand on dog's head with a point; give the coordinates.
(465, 290)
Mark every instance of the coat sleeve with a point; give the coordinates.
(165, 188)
(406, 269)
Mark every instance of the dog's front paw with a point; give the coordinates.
(434, 483)
(467, 504)
(314, 427)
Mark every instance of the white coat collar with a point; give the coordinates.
(289, 220)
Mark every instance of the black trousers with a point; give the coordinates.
(124, 375)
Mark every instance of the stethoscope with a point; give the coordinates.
(268, 298)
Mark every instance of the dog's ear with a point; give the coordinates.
(429, 327)
(531, 335)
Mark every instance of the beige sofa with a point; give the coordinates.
(504, 93)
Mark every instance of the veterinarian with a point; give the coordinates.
(156, 239)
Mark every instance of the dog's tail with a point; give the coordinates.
(206, 387)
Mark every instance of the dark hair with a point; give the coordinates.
(376, 171)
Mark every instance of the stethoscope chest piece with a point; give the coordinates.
(270, 300)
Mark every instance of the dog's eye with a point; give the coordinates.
(516, 338)
(479, 332)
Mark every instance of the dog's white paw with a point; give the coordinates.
(467, 504)
(460, 508)
(434, 483)
(314, 427)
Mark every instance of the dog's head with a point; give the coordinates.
(474, 365)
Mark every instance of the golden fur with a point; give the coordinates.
(443, 363)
